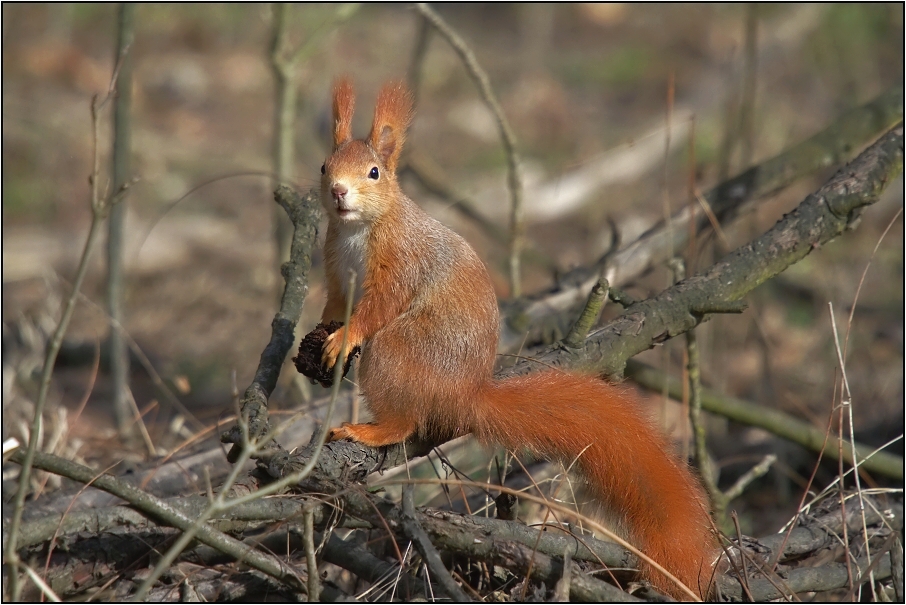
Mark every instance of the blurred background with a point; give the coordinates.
(604, 100)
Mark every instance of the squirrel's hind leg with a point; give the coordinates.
(374, 434)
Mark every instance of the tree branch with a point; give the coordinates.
(774, 421)
(514, 176)
(304, 212)
(821, 217)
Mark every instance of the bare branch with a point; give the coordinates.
(776, 422)
(415, 533)
(514, 179)
(304, 212)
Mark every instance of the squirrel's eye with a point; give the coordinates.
(322, 169)
(373, 174)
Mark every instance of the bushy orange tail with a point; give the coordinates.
(628, 463)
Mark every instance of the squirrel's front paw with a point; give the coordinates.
(332, 348)
(334, 344)
(311, 350)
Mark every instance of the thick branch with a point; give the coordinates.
(104, 519)
(829, 576)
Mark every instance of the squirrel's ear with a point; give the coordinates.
(343, 106)
(392, 114)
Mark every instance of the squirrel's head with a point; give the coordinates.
(358, 179)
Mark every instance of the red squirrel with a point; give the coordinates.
(426, 318)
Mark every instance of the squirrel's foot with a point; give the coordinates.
(371, 434)
(340, 433)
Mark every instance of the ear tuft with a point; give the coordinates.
(343, 106)
(392, 114)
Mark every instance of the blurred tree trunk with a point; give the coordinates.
(122, 150)
(284, 123)
(536, 25)
(285, 59)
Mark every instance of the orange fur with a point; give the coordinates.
(392, 114)
(343, 107)
(426, 317)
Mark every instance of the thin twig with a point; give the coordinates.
(846, 406)
(749, 476)
(590, 314)
(514, 178)
(896, 567)
(416, 65)
(561, 590)
(284, 69)
(46, 591)
(138, 421)
(691, 251)
(314, 589)
(749, 87)
(693, 367)
(423, 544)
(743, 570)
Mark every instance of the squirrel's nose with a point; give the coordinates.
(339, 191)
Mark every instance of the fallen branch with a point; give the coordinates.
(167, 514)
(774, 421)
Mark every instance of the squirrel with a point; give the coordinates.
(426, 318)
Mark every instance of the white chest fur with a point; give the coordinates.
(350, 248)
